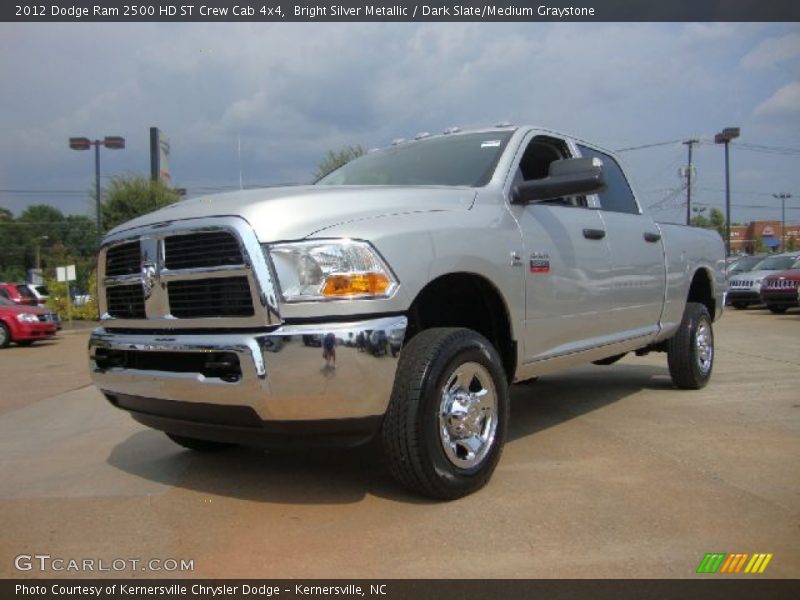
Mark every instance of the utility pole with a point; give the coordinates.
(783, 197)
(690, 142)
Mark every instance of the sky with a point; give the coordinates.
(270, 99)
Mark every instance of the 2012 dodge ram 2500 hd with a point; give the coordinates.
(399, 296)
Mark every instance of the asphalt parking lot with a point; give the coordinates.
(609, 472)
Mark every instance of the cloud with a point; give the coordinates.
(772, 51)
(293, 91)
(784, 100)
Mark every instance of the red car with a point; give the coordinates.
(18, 293)
(779, 291)
(24, 324)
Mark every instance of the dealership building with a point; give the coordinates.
(763, 236)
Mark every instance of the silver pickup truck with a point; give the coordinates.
(397, 299)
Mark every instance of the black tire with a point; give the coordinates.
(199, 445)
(420, 452)
(5, 336)
(608, 360)
(777, 310)
(25, 342)
(740, 305)
(690, 352)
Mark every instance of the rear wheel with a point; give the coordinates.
(199, 445)
(445, 427)
(5, 336)
(690, 352)
(776, 310)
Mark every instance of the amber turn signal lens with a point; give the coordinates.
(356, 284)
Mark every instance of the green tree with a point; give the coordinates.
(130, 197)
(717, 221)
(334, 160)
(700, 220)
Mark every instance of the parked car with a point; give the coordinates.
(18, 293)
(745, 288)
(779, 291)
(39, 291)
(24, 324)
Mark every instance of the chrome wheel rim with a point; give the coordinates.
(468, 415)
(3, 335)
(704, 346)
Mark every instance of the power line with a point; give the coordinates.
(655, 145)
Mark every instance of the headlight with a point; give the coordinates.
(330, 270)
(27, 318)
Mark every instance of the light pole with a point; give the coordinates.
(783, 198)
(725, 137)
(113, 142)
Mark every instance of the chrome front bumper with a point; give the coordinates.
(282, 375)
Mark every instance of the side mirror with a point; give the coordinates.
(567, 177)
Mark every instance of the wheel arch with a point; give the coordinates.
(466, 299)
(701, 290)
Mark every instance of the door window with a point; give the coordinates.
(618, 196)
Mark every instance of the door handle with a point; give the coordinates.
(594, 234)
(649, 236)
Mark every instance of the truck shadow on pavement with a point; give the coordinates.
(341, 476)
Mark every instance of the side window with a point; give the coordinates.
(618, 196)
(535, 164)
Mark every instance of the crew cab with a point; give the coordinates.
(478, 258)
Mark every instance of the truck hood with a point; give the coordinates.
(287, 213)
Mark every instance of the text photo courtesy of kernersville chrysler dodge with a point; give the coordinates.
(396, 300)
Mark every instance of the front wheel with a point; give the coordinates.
(445, 427)
(690, 352)
(5, 336)
(740, 305)
(776, 310)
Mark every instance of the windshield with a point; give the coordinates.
(457, 160)
(42, 290)
(746, 264)
(775, 263)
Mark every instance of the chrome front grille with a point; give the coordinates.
(196, 273)
(781, 284)
(126, 301)
(123, 260)
(202, 298)
(198, 250)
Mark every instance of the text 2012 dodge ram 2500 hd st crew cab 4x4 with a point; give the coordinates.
(399, 296)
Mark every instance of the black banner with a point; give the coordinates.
(401, 10)
(416, 589)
